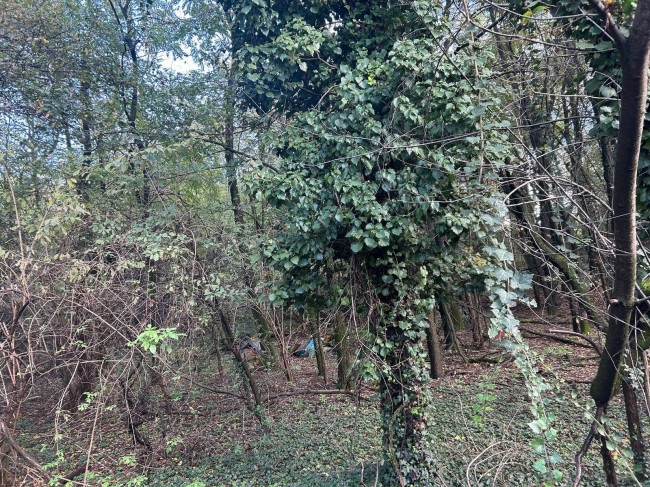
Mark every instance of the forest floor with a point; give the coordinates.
(480, 415)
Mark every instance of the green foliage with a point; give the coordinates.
(325, 444)
(482, 402)
(153, 340)
(320, 443)
(383, 138)
(392, 173)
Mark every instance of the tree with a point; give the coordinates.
(386, 164)
(633, 58)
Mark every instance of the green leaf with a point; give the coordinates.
(584, 45)
(540, 465)
(370, 242)
(533, 426)
(627, 453)
(607, 91)
(537, 445)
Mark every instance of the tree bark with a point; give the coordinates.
(476, 319)
(609, 466)
(314, 325)
(456, 315)
(433, 345)
(231, 165)
(634, 430)
(342, 344)
(247, 374)
(447, 326)
(634, 63)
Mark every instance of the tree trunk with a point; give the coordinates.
(634, 430)
(231, 165)
(447, 326)
(607, 159)
(433, 345)
(575, 314)
(267, 340)
(456, 315)
(609, 466)
(314, 325)
(405, 405)
(247, 375)
(217, 352)
(476, 319)
(342, 344)
(86, 139)
(80, 382)
(523, 213)
(634, 63)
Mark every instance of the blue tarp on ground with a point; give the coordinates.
(308, 350)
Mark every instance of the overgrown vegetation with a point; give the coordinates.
(335, 242)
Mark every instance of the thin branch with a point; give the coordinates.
(610, 24)
(235, 151)
(6, 434)
(586, 338)
(311, 392)
(551, 337)
(585, 445)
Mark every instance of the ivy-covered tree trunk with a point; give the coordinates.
(406, 399)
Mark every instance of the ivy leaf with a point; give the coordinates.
(537, 445)
(356, 247)
(540, 465)
(627, 453)
(370, 242)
